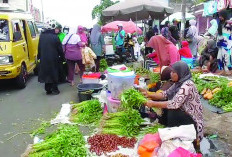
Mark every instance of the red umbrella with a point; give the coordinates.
(128, 26)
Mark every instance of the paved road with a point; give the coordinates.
(21, 111)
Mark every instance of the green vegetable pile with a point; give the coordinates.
(140, 40)
(103, 65)
(66, 141)
(132, 99)
(124, 123)
(142, 71)
(41, 129)
(221, 98)
(154, 77)
(86, 112)
(151, 129)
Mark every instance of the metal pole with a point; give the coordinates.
(183, 18)
(42, 11)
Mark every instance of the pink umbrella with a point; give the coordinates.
(128, 26)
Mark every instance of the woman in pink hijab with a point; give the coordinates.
(166, 51)
(84, 39)
(82, 34)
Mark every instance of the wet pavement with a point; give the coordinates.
(21, 111)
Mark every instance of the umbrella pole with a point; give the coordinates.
(136, 25)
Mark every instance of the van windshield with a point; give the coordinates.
(4, 30)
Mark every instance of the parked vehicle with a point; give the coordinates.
(19, 38)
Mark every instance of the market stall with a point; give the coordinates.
(120, 125)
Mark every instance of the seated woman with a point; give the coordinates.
(185, 53)
(165, 51)
(182, 99)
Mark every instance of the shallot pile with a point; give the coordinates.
(105, 143)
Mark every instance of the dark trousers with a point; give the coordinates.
(97, 62)
(71, 69)
(148, 50)
(49, 87)
(119, 52)
(174, 118)
(131, 50)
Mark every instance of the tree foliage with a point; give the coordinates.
(97, 10)
(189, 1)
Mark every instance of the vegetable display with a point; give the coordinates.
(154, 77)
(106, 143)
(142, 71)
(124, 123)
(103, 65)
(86, 112)
(151, 129)
(119, 155)
(132, 99)
(66, 141)
(216, 90)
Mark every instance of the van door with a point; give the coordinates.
(19, 45)
(32, 40)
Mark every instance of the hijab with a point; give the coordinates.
(184, 74)
(193, 27)
(71, 37)
(165, 73)
(95, 34)
(82, 34)
(161, 45)
(224, 14)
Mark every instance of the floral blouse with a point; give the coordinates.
(188, 100)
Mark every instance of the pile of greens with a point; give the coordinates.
(151, 129)
(221, 98)
(41, 130)
(124, 123)
(66, 141)
(86, 112)
(142, 71)
(132, 99)
(103, 65)
(154, 77)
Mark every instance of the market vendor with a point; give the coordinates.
(181, 98)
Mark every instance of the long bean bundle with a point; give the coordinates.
(66, 141)
(125, 123)
(132, 99)
(87, 112)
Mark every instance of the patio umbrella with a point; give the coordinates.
(128, 26)
(178, 16)
(136, 10)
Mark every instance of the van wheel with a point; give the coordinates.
(22, 78)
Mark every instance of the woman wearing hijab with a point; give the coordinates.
(192, 37)
(181, 99)
(82, 34)
(224, 42)
(166, 51)
(97, 44)
(72, 48)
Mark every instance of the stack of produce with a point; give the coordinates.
(106, 143)
(103, 65)
(132, 99)
(66, 141)
(86, 112)
(142, 71)
(151, 129)
(154, 77)
(216, 90)
(124, 123)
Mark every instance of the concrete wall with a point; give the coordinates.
(17, 4)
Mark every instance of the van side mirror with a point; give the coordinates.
(17, 36)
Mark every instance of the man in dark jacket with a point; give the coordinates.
(175, 33)
(50, 53)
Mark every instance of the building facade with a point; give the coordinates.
(14, 4)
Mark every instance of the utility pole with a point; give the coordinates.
(183, 20)
(42, 11)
